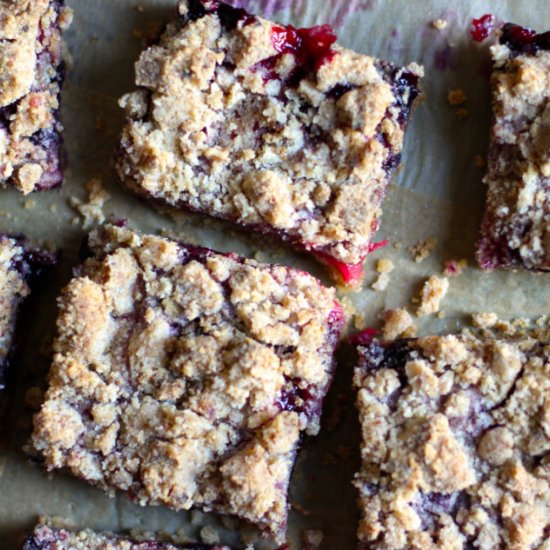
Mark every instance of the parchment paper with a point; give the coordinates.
(437, 193)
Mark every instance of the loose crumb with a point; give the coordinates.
(421, 250)
(456, 97)
(439, 24)
(209, 535)
(433, 292)
(312, 538)
(453, 268)
(384, 266)
(484, 319)
(30, 204)
(396, 322)
(381, 283)
(398, 245)
(92, 211)
(462, 113)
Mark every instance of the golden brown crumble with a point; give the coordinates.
(397, 322)
(27, 28)
(439, 24)
(13, 288)
(308, 166)
(456, 436)
(186, 377)
(59, 538)
(433, 292)
(421, 250)
(92, 210)
(516, 230)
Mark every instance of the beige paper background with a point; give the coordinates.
(437, 193)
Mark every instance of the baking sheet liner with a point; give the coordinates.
(437, 193)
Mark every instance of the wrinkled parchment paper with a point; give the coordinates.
(437, 193)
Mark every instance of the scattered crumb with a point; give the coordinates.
(384, 266)
(359, 321)
(396, 322)
(33, 398)
(312, 538)
(484, 319)
(53, 208)
(542, 321)
(30, 204)
(422, 249)
(92, 211)
(441, 315)
(456, 97)
(439, 24)
(398, 245)
(209, 535)
(197, 517)
(432, 294)
(299, 508)
(381, 283)
(479, 161)
(462, 113)
(453, 268)
(349, 307)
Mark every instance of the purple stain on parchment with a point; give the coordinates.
(340, 9)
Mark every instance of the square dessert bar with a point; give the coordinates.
(19, 265)
(31, 76)
(187, 377)
(456, 442)
(48, 538)
(277, 129)
(516, 226)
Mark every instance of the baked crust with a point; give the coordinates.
(280, 130)
(456, 441)
(18, 266)
(186, 377)
(516, 227)
(31, 76)
(49, 538)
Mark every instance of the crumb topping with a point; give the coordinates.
(516, 228)
(421, 250)
(455, 443)
(45, 536)
(13, 288)
(266, 137)
(186, 377)
(433, 292)
(92, 210)
(30, 85)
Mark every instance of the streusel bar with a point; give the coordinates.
(274, 128)
(516, 227)
(18, 266)
(31, 76)
(456, 441)
(49, 538)
(187, 377)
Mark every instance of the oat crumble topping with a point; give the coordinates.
(51, 538)
(516, 227)
(421, 250)
(17, 266)
(283, 130)
(186, 377)
(456, 441)
(31, 76)
(397, 322)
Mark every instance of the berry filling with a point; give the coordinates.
(481, 28)
(350, 274)
(364, 338)
(524, 40)
(310, 47)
